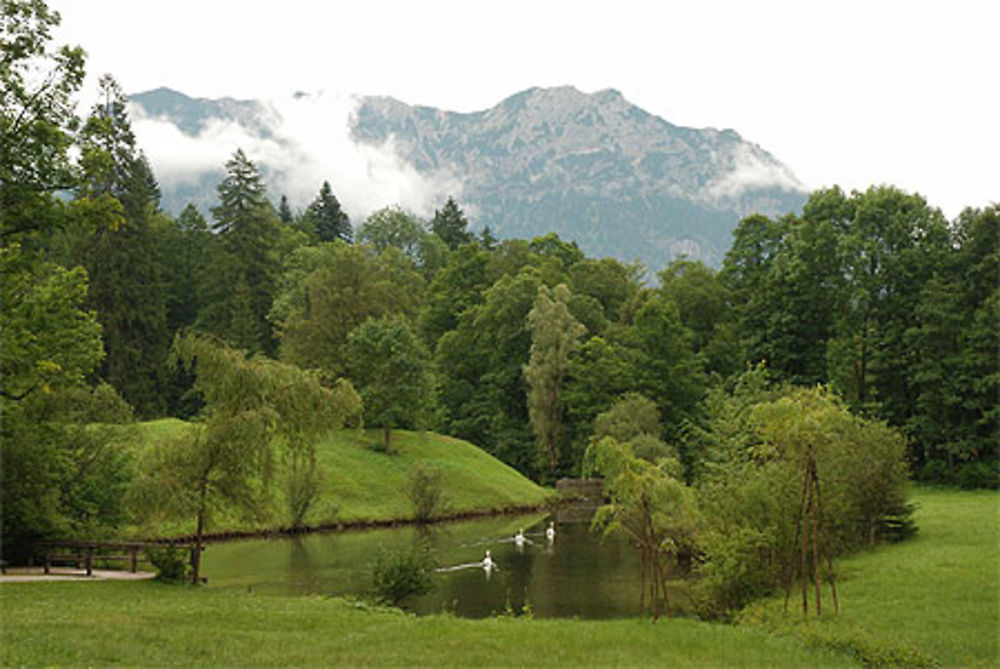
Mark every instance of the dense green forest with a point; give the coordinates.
(868, 314)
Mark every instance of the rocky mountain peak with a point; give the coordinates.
(591, 167)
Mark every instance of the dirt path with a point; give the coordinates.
(30, 574)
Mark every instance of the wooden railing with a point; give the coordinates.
(83, 554)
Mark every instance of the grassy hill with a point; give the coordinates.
(361, 485)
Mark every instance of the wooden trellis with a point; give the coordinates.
(809, 529)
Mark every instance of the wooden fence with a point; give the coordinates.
(84, 554)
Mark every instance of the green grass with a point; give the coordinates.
(363, 485)
(146, 623)
(931, 599)
(371, 485)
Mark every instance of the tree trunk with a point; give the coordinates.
(199, 532)
(666, 595)
(196, 551)
(642, 580)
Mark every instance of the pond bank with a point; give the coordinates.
(342, 526)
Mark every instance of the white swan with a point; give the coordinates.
(550, 533)
(520, 539)
(488, 563)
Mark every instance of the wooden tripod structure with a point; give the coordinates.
(809, 524)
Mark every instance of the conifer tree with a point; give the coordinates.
(328, 219)
(126, 286)
(285, 211)
(188, 245)
(248, 233)
(450, 224)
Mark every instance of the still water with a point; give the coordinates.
(577, 574)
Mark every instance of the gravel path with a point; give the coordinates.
(29, 574)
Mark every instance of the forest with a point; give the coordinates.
(864, 326)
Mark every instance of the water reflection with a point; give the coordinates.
(573, 574)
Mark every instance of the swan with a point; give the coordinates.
(550, 533)
(488, 563)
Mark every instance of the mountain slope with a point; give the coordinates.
(592, 167)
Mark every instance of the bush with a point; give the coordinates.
(425, 489)
(399, 574)
(935, 471)
(753, 495)
(303, 484)
(971, 475)
(172, 564)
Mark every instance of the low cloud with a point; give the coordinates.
(310, 142)
(751, 169)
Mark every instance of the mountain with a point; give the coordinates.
(593, 168)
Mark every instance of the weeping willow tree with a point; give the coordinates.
(261, 417)
(650, 506)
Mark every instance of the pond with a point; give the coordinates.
(576, 574)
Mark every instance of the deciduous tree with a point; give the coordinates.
(391, 369)
(37, 118)
(256, 411)
(650, 506)
(328, 290)
(555, 334)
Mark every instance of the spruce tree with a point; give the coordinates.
(450, 224)
(248, 234)
(285, 211)
(126, 286)
(328, 219)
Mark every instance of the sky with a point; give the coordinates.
(852, 93)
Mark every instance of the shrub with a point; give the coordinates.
(936, 471)
(754, 494)
(303, 484)
(425, 488)
(172, 565)
(970, 475)
(399, 574)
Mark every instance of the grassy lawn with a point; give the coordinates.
(363, 485)
(932, 599)
(145, 623)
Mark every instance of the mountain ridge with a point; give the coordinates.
(592, 167)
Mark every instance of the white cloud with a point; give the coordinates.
(178, 158)
(751, 169)
(310, 144)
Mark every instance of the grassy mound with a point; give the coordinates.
(361, 485)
